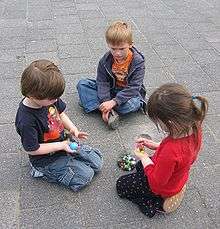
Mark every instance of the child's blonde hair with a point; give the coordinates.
(176, 108)
(119, 32)
(42, 79)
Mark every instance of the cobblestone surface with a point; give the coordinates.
(181, 42)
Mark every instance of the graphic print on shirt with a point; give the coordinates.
(120, 70)
(55, 125)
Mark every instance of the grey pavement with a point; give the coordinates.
(181, 42)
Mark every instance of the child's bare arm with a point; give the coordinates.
(46, 148)
(68, 124)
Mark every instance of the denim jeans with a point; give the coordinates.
(72, 170)
(87, 90)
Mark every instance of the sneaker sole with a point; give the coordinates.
(114, 124)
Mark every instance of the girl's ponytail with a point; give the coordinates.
(200, 113)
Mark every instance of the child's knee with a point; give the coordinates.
(81, 83)
(119, 187)
(131, 105)
(79, 181)
(92, 156)
(97, 160)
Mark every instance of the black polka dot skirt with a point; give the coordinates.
(135, 188)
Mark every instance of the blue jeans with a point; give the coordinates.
(87, 90)
(74, 171)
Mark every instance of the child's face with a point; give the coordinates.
(120, 51)
(43, 102)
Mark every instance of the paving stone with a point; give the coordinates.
(174, 23)
(212, 36)
(69, 39)
(96, 23)
(41, 46)
(31, 195)
(16, 55)
(62, 4)
(90, 14)
(216, 45)
(212, 69)
(170, 51)
(44, 24)
(57, 12)
(182, 66)
(34, 34)
(10, 87)
(39, 13)
(195, 44)
(97, 43)
(95, 32)
(32, 3)
(77, 50)
(9, 202)
(12, 23)
(11, 32)
(52, 56)
(67, 19)
(154, 77)
(161, 39)
(11, 70)
(8, 43)
(10, 171)
(72, 80)
(87, 6)
(75, 65)
(197, 82)
(72, 34)
(214, 102)
(14, 13)
(213, 123)
(183, 33)
(7, 131)
(209, 151)
(208, 190)
(204, 26)
(205, 56)
(69, 28)
(53, 217)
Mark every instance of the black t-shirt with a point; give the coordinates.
(39, 125)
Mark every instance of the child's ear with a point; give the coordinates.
(130, 46)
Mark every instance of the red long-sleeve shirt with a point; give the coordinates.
(172, 161)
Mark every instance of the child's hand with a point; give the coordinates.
(78, 134)
(66, 147)
(82, 135)
(141, 154)
(148, 143)
(105, 116)
(107, 106)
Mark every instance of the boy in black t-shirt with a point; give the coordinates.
(41, 121)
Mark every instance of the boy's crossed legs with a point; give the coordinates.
(87, 90)
(74, 171)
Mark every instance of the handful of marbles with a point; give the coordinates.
(127, 162)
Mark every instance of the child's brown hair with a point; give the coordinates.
(42, 79)
(176, 108)
(119, 32)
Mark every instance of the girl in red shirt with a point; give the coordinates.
(172, 109)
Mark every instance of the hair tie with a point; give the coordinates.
(193, 97)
